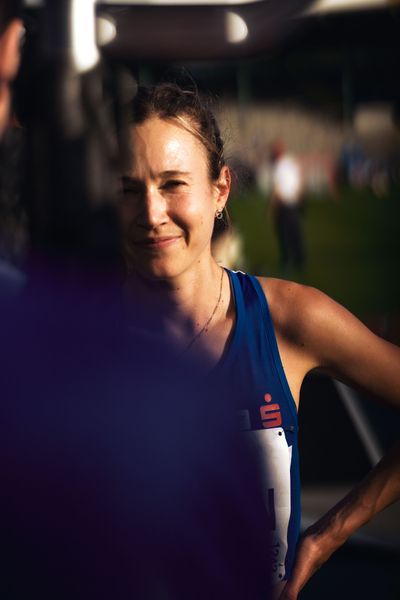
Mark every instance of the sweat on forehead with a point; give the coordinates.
(166, 146)
(169, 102)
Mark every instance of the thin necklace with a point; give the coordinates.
(204, 329)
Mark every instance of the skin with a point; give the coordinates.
(176, 284)
(9, 63)
(312, 332)
(167, 212)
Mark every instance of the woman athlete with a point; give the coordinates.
(264, 334)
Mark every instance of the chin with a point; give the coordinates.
(157, 272)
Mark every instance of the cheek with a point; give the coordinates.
(197, 210)
(197, 218)
(126, 214)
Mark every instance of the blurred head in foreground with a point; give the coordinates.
(10, 37)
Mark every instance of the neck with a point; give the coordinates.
(179, 306)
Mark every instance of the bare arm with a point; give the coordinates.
(378, 490)
(313, 331)
(346, 349)
(316, 332)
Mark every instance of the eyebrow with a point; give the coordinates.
(128, 180)
(171, 173)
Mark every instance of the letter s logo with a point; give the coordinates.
(270, 414)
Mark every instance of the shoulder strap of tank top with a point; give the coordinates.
(270, 331)
(239, 316)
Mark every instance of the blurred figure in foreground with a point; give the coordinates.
(11, 32)
(286, 202)
(108, 489)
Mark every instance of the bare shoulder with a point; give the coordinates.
(297, 308)
(293, 309)
(304, 311)
(330, 337)
(312, 321)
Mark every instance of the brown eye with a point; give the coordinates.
(131, 192)
(131, 188)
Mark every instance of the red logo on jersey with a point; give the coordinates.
(270, 413)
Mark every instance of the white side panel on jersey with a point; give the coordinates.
(273, 456)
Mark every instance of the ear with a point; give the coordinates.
(10, 50)
(222, 188)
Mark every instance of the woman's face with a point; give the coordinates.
(169, 202)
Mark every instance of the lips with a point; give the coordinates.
(156, 243)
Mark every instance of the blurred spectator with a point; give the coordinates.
(287, 199)
(354, 164)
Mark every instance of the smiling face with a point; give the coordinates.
(169, 202)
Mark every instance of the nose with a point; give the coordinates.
(153, 211)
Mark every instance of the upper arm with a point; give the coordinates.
(347, 350)
(323, 334)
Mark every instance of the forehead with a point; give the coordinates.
(166, 145)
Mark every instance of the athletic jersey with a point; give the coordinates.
(267, 415)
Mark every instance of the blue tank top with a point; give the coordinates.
(267, 415)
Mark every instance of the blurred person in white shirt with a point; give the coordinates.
(286, 201)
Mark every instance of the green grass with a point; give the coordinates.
(352, 243)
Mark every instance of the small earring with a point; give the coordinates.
(219, 214)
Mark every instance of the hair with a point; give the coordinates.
(168, 101)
